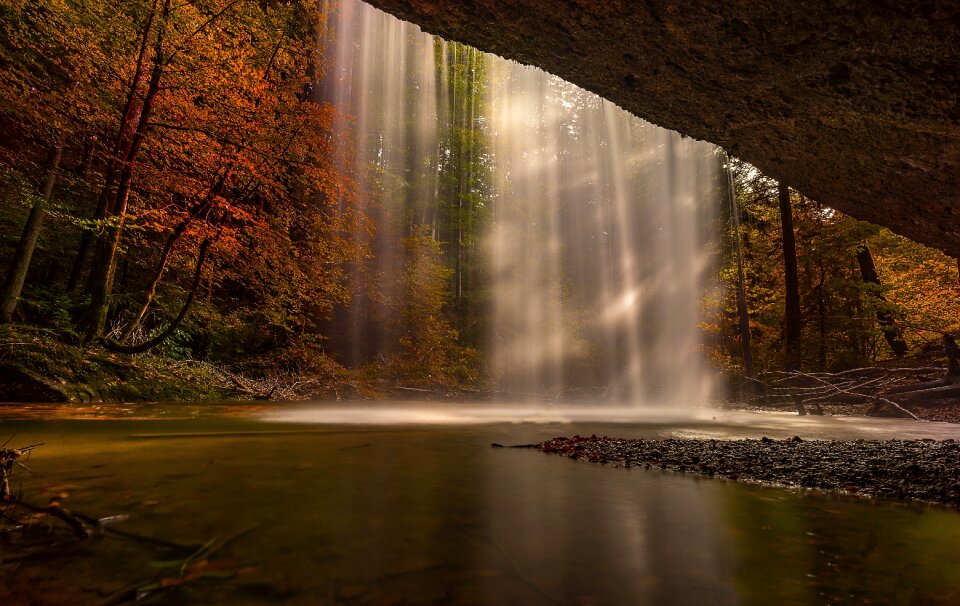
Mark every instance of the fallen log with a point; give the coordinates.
(899, 389)
(944, 388)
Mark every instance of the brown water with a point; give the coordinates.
(358, 513)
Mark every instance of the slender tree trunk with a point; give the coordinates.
(742, 313)
(89, 153)
(80, 257)
(953, 355)
(79, 260)
(105, 261)
(213, 272)
(172, 239)
(154, 281)
(130, 118)
(821, 297)
(792, 283)
(822, 316)
(888, 326)
(858, 335)
(184, 310)
(20, 264)
(100, 212)
(461, 194)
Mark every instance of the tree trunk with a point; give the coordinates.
(885, 318)
(184, 311)
(20, 264)
(953, 355)
(822, 316)
(105, 261)
(792, 283)
(172, 239)
(742, 313)
(129, 121)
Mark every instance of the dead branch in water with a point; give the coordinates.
(82, 526)
(9, 458)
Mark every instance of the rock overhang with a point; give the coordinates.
(855, 103)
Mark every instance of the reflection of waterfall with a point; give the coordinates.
(597, 247)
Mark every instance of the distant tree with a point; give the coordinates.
(743, 314)
(792, 317)
(885, 317)
(428, 340)
(840, 326)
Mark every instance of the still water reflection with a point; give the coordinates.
(363, 514)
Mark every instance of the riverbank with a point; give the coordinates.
(37, 365)
(921, 470)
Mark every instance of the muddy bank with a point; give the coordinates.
(924, 470)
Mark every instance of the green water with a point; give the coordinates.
(429, 514)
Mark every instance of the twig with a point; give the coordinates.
(68, 518)
(101, 527)
(523, 577)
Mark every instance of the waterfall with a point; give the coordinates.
(578, 236)
(380, 72)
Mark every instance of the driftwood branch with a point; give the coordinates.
(877, 398)
(899, 388)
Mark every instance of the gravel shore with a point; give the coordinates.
(924, 470)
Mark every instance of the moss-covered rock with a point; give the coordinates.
(36, 366)
(17, 385)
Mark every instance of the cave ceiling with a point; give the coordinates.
(853, 103)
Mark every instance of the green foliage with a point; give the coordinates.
(424, 296)
(177, 346)
(83, 375)
(429, 343)
(839, 322)
(54, 307)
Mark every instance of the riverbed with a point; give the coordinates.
(407, 503)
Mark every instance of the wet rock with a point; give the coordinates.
(19, 386)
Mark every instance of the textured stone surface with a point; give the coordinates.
(854, 103)
(924, 470)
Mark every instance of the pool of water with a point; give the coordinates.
(408, 504)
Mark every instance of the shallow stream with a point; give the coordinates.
(409, 504)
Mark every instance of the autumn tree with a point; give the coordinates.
(52, 57)
(429, 343)
(204, 162)
(840, 325)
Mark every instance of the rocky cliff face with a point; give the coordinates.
(856, 103)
